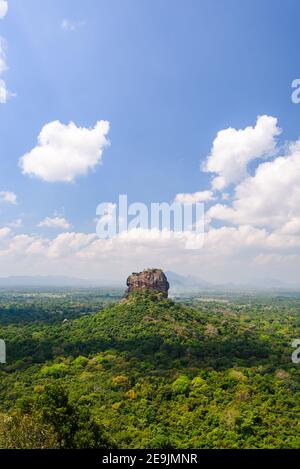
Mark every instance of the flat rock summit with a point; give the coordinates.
(153, 280)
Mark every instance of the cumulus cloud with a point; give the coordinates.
(8, 197)
(257, 233)
(292, 226)
(269, 198)
(55, 222)
(4, 93)
(192, 198)
(4, 232)
(3, 8)
(69, 244)
(65, 152)
(21, 247)
(228, 253)
(233, 149)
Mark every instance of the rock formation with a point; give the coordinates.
(151, 280)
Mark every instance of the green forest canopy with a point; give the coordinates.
(149, 373)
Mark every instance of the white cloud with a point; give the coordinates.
(233, 150)
(8, 197)
(65, 152)
(55, 222)
(228, 253)
(22, 247)
(4, 93)
(4, 232)
(202, 196)
(3, 8)
(69, 244)
(70, 25)
(260, 239)
(269, 198)
(292, 226)
(16, 223)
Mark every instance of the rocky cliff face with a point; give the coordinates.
(153, 280)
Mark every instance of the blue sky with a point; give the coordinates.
(167, 75)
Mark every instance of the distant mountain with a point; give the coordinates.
(191, 283)
(46, 281)
(185, 282)
(178, 283)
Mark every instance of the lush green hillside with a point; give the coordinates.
(150, 373)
